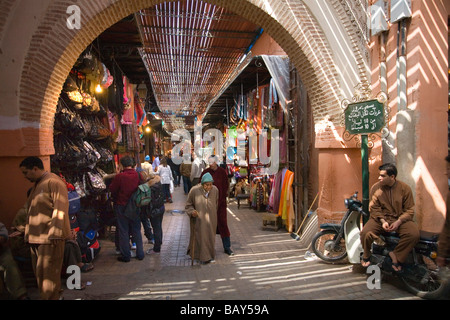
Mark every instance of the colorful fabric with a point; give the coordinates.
(286, 208)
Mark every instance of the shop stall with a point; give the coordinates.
(252, 119)
(99, 119)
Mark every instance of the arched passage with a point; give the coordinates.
(53, 49)
(56, 48)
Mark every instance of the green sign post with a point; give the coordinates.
(363, 118)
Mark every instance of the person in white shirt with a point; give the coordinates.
(165, 174)
(198, 165)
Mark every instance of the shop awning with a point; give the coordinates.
(278, 67)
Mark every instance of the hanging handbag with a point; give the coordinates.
(71, 83)
(87, 64)
(95, 182)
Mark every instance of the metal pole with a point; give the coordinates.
(365, 173)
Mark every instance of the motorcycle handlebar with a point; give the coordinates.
(360, 210)
(355, 204)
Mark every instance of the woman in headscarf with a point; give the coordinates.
(201, 206)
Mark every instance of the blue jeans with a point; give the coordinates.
(176, 177)
(187, 185)
(157, 231)
(166, 191)
(148, 232)
(124, 225)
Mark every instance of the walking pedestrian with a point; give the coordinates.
(165, 174)
(155, 211)
(175, 170)
(47, 226)
(146, 165)
(220, 178)
(185, 171)
(201, 206)
(122, 188)
(144, 176)
(156, 162)
(198, 165)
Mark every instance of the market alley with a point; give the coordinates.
(267, 265)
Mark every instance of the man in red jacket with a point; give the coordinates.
(122, 188)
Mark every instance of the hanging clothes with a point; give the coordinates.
(286, 207)
(139, 111)
(273, 96)
(128, 112)
(277, 184)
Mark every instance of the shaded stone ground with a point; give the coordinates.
(267, 265)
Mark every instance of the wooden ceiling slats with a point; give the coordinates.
(191, 49)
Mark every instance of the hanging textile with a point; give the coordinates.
(273, 96)
(128, 113)
(139, 112)
(278, 67)
(252, 144)
(115, 92)
(283, 147)
(286, 208)
(275, 194)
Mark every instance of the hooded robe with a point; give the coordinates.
(203, 228)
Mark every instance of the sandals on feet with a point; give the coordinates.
(396, 266)
(365, 260)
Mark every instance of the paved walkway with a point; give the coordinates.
(267, 265)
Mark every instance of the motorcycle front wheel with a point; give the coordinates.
(424, 280)
(325, 247)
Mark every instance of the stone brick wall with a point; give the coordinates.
(54, 49)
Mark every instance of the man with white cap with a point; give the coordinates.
(220, 177)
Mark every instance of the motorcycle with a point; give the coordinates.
(420, 274)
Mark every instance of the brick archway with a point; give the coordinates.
(44, 55)
(54, 49)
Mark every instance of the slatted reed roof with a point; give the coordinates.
(192, 50)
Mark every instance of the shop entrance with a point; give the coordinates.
(132, 92)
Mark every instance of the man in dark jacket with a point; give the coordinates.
(122, 188)
(175, 170)
(220, 178)
(155, 211)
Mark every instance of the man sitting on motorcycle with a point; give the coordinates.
(391, 209)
